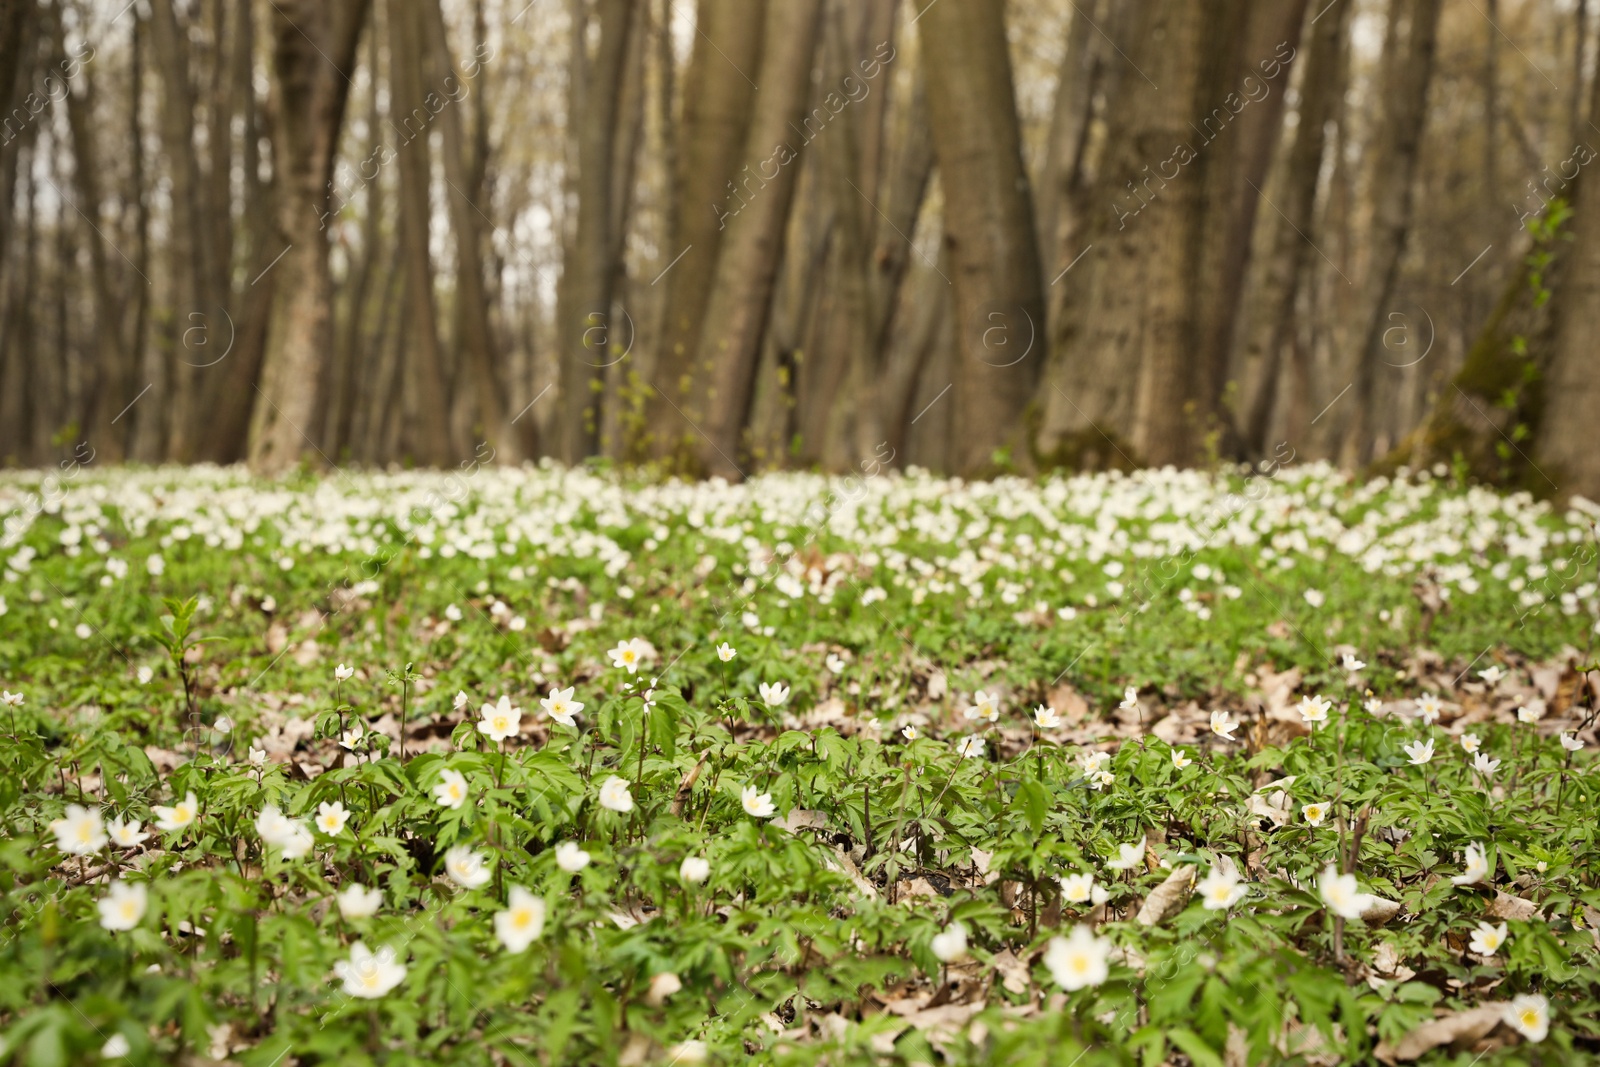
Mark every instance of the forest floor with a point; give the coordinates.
(540, 766)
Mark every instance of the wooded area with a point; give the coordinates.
(723, 236)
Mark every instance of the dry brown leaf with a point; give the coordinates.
(801, 819)
(1070, 703)
(1012, 971)
(1517, 909)
(1457, 1027)
(1167, 898)
(843, 862)
(1379, 910)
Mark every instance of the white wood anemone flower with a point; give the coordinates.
(123, 905)
(466, 868)
(522, 921)
(1079, 960)
(370, 975)
(178, 816)
(80, 831)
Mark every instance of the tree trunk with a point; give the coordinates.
(717, 101)
(1119, 384)
(474, 337)
(1234, 177)
(584, 327)
(1408, 68)
(1265, 338)
(107, 388)
(314, 46)
(230, 387)
(741, 296)
(1564, 437)
(989, 226)
(1070, 115)
(416, 106)
(19, 20)
(193, 259)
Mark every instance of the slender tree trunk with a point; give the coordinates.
(1265, 340)
(618, 368)
(351, 352)
(1408, 69)
(193, 259)
(1267, 39)
(717, 99)
(584, 327)
(1069, 120)
(474, 336)
(145, 432)
(417, 106)
(19, 20)
(314, 49)
(107, 384)
(741, 296)
(230, 386)
(989, 226)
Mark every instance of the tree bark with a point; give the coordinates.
(1564, 438)
(1408, 68)
(741, 296)
(191, 246)
(717, 101)
(584, 327)
(314, 46)
(18, 25)
(107, 388)
(474, 336)
(416, 106)
(1265, 338)
(989, 226)
(1234, 177)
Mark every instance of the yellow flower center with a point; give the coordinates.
(1529, 1017)
(1080, 964)
(521, 919)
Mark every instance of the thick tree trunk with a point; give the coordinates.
(989, 226)
(717, 100)
(1566, 451)
(314, 48)
(1119, 386)
(741, 296)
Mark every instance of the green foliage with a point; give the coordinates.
(813, 936)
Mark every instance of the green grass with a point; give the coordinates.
(139, 608)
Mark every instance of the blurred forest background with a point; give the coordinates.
(722, 236)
